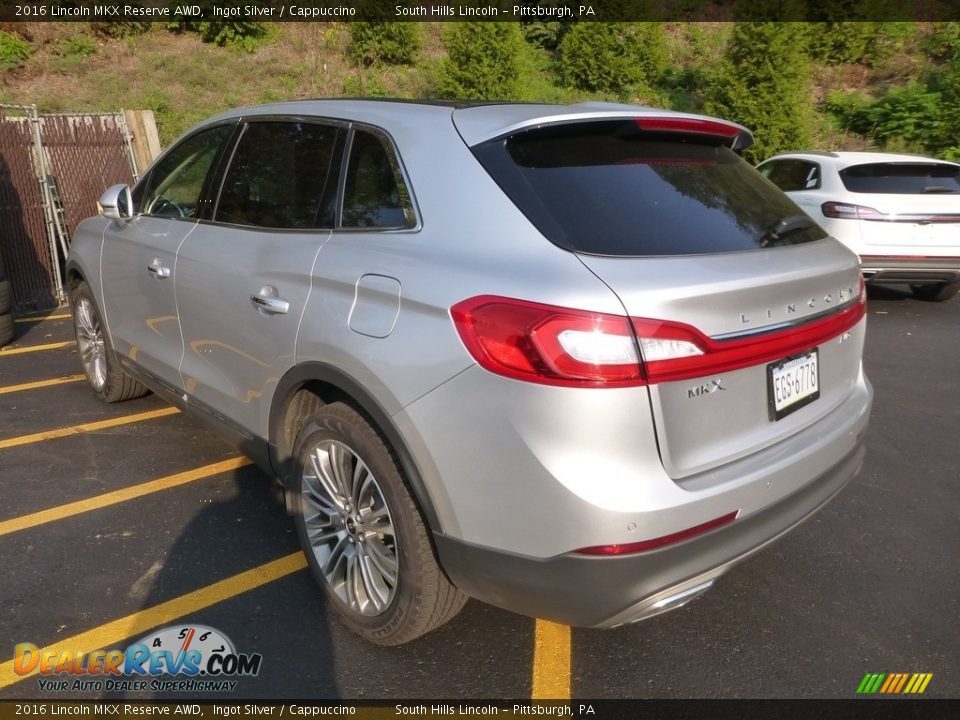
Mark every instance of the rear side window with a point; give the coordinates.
(375, 194)
(281, 176)
(902, 178)
(609, 188)
(792, 175)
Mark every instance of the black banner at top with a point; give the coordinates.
(479, 10)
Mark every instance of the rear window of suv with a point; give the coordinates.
(610, 188)
(902, 178)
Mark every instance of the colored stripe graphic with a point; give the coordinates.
(891, 681)
(894, 683)
(900, 683)
(926, 681)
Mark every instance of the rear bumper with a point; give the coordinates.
(900, 269)
(606, 592)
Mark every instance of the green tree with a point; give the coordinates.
(948, 137)
(612, 57)
(394, 43)
(245, 35)
(483, 61)
(764, 84)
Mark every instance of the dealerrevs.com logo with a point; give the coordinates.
(182, 658)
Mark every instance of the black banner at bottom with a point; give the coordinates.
(929, 709)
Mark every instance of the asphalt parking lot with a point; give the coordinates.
(117, 520)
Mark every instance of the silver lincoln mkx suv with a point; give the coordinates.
(574, 361)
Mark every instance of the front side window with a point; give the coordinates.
(792, 175)
(375, 194)
(173, 187)
(281, 176)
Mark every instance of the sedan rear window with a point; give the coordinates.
(902, 178)
(610, 188)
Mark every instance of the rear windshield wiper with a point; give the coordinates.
(938, 189)
(783, 227)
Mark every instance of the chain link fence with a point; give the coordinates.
(53, 168)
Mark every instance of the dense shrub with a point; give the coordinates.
(240, 34)
(483, 61)
(947, 82)
(942, 40)
(764, 84)
(910, 117)
(612, 57)
(75, 45)
(839, 43)
(546, 35)
(13, 50)
(394, 43)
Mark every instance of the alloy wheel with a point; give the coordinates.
(90, 343)
(349, 528)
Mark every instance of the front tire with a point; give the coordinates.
(104, 374)
(363, 535)
(935, 292)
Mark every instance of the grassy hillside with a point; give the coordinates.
(70, 66)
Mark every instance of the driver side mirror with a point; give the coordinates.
(116, 203)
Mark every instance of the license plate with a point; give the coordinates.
(793, 383)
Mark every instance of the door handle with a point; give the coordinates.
(267, 302)
(159, 271)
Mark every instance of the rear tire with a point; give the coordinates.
(935, 292)
(104, 374)
(6, 328)
(363, 535)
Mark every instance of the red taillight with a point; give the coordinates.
(697, 126)
(847, 211)
(547, 344)
(562, 346)
(653, 544)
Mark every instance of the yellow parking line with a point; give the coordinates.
(85, 427)
(41, 318)
(40, 384)
(112, 633)
(35, 348)
(551, 661)
(117, 496)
